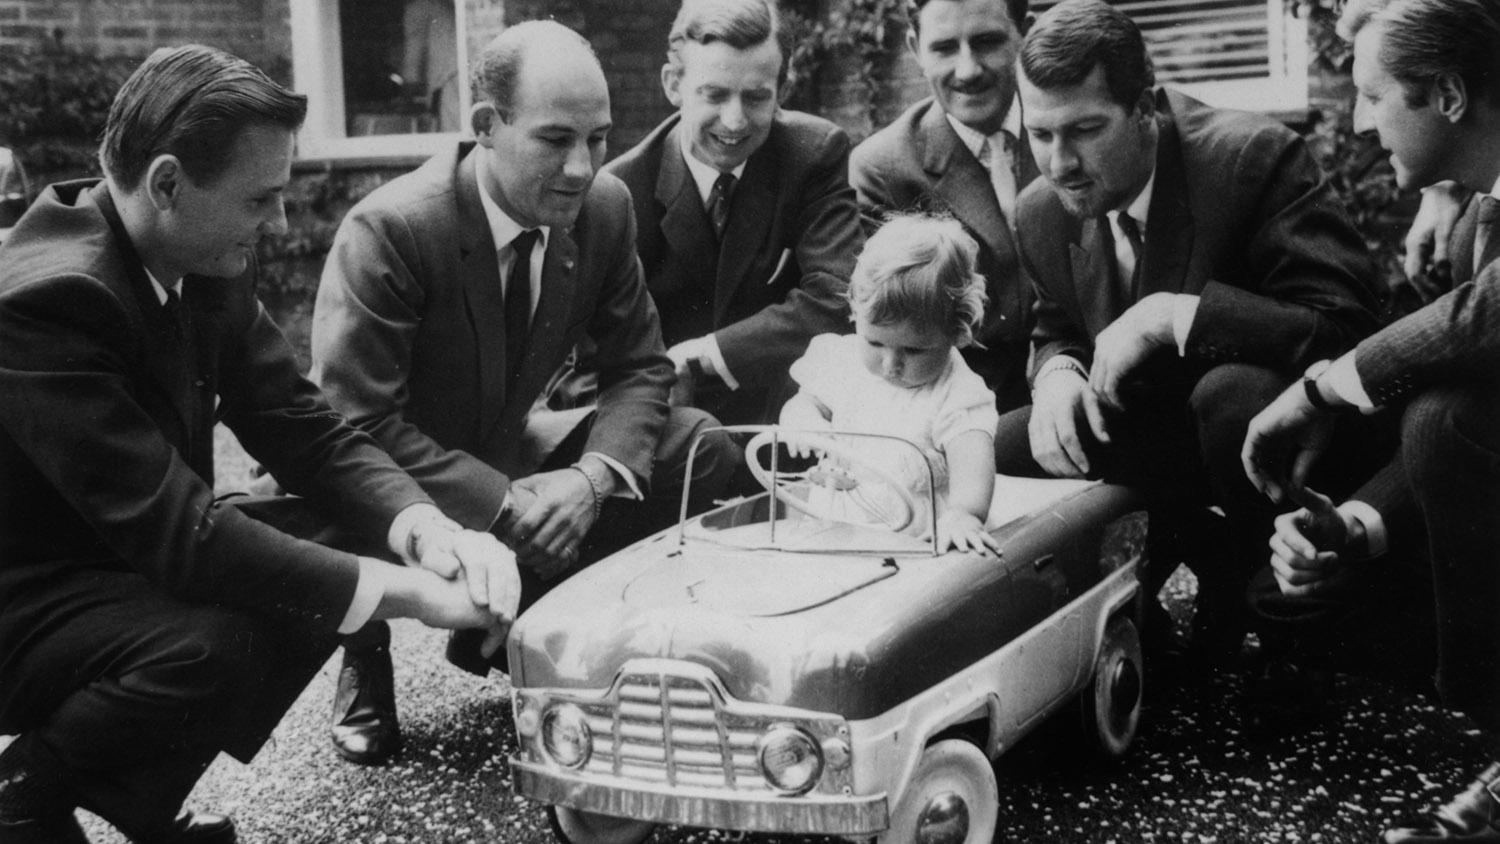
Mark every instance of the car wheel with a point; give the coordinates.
(951, 799)
(573, 826)
(1111, 703)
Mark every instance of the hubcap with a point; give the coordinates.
(1125, 690)
(945, 820)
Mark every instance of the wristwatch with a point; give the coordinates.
(1310, 386)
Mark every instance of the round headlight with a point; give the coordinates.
(566, 736)
(789, 758)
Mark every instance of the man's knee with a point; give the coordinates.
(1013, 444)
(1451, 428)
(1232, 393)
(213, 658)
(714, 459)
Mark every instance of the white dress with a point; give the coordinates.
(930, 416)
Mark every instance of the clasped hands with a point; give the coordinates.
(1063, 398)
(549, 514)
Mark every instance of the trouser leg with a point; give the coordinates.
(1451, 450)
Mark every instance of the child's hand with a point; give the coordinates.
(964, 531)
(801, 444)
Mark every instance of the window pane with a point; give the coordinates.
(400, 66)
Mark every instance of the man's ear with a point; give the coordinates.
(1450, 96)
(164, 181)
(911, 39)
(482, 117)
(1145, 105)
(671, 82)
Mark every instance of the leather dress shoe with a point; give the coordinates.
(1472, 816)
(193, 828)
(365, 729)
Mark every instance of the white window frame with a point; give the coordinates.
(317, 71)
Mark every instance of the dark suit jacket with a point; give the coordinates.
(408, 333)
(1240, 216)
(918, 163)
(106, 434)
(779, 277)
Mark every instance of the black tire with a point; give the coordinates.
(572, 826)
(1110, 705)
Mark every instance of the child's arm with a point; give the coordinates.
(971, 484)
(803, 410)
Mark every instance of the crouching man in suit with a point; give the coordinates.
(145, 626)
(450, 298)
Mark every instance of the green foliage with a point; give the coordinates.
(868, 30)
(53, 104)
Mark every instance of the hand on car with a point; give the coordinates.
(553, 512)
(957, 529)
(1307, 543)
(1283, 442)
(1124, 343)
(1060, 399)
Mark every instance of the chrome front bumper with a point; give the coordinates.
(817, 814)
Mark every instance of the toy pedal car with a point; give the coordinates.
(770, 667)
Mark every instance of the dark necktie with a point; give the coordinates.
(518, 306)
(1486, 244)
(1132, 232)
(718, 203)
(171, 309)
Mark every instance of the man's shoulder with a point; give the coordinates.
(417, 193)
(1211, 135)
(896, 139)
(62, 234)
(798, 137)
(637, 167)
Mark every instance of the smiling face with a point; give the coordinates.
(211, 229)
(1095, 152)
(544, 153)
(1417, 136)
(967, 50)
(903, 353)
(727, 97)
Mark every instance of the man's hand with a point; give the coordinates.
(554, 511)
(1124, 343)
(488, 567)
(436, 601)
(1307, 544)
(1427, 239)
(1060, 399)
(1283, 442)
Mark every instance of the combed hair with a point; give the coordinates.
(741, 24)
(1072, 38)
(1017, 9)
(1428, 39)
(191, 102)
(921, 269)
(496, 70)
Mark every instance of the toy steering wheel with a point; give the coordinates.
(780, 485)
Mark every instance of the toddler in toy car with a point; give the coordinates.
(915, 299)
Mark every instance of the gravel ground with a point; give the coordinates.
(1195, 774)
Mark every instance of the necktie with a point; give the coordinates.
(718, 203)
(1132, 231)
(172, 310)
(518, 306)
(1486, 244)
(999, 160)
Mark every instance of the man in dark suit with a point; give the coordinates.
(1187, 261)
(748, 228)
(1428, 80)
(959, 152)
(451, 296)
(144, 625)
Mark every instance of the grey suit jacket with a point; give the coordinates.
(919, 163)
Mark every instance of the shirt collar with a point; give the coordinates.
(1140, 206)
(161, 289)
(502, 228)
(704, 175)
(974, 140)
(1495, 191)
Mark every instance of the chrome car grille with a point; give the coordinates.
(671, 729)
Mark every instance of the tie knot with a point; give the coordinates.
(723, 185)
(524, 241)
(718, 203)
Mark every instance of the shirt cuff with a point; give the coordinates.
(716, 359)
(367, 595)
(1343, 378)
(1184, 309)
(630, 488)
(1376, 538)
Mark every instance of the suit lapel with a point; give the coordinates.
(1094, 275)
(1169, 221)
(1461, 255)
(963, 185)
(484, 300)
(751, 210)
(684, 222)
(168, 356)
